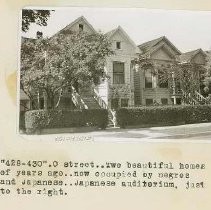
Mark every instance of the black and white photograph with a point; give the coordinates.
(115, 74)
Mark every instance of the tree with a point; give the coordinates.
(185, 76)
(38, 17)
(188, 77)
(68, 59)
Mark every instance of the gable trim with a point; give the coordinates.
(173, 56)
(119, 28)
(197, 52)
(74, 22)
(157, 47)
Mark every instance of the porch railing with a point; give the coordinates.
(103, 105)
(201, 98)
(188, 98)
(100, 101)
(77, 99)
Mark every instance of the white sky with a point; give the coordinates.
(187, 30)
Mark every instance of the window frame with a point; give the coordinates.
(114, 103)
(145, 79)
(81, 27)
(149, 104)
(118, 45)
(118, 74)
(127, 102)
(162, 99)
(162, 84)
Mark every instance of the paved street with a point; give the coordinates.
(182, 132)
(191, 132)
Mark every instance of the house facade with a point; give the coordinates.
(149, 88)
(127, 84)
(118, 90)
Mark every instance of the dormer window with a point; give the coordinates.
(118, 45)
(81, 27)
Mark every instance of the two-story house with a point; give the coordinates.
(127, 85)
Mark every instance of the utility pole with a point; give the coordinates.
(44, 93)
(174, 88)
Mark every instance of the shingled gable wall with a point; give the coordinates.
(199, 59)
(126, 54)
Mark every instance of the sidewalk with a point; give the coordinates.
(167, 132)
(152, 134)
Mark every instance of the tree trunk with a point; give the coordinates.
(51, 99)
(59, 99)
(45, 96)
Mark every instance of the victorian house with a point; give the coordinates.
(128, 85)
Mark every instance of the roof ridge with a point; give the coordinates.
(151, 41)
(73, 22)
(188, 56)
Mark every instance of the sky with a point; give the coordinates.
(187, 30)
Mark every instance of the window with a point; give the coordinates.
(114, 103)
(178, 101)
(149, 101)
(124, 102)
(118, 45)
(163, 83)
(164, 101)
(41, 103)
(178, 86)
(118, 73)
(148, 78)
(81, 27)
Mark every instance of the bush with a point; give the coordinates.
(163, 115)
(40, 119)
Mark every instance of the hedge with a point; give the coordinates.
(36, 120)
(163, 115)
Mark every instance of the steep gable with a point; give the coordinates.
(125, 42)
(80, 23)
(153, 46)
(163, 53)
(196, 56)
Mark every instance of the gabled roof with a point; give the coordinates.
(81, 18)
(188, 56)
(111, 33)
(151, 46)
(146, 46)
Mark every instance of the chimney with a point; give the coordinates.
(39, 35)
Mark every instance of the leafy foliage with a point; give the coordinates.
(68, 58)
(163, 115)
(39, 17)
(41, 119)
(188, 76)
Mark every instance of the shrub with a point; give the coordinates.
(198, 114)
(163, 115)
(40, 119)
